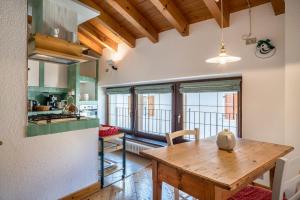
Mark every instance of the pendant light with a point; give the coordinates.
(223, 58)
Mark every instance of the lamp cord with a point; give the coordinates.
(244, 37)
(222, 35)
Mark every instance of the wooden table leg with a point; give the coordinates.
(156, 182)
(272, 173)
(221, 194)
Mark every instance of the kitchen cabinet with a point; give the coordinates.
(49, 75)
(33, 73)
(55, 75)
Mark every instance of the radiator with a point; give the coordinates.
(135, 147)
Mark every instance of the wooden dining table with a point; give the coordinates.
(201, 170)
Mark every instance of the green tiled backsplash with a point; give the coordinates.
(41, 93)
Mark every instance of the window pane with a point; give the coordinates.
(211, 112)
(119, 110)
(155, 113)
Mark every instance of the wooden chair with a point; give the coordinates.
(171, 136)
(286, 184)
(182, 133)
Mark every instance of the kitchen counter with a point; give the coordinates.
(57, 111)
(58, 126)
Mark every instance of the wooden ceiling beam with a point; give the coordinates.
(100, 27)
(131, 14)
(215, 10)
(278, 6)
(111, 24)
(96, 35)
(89, 43)
(169, 10)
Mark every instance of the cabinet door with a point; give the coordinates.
(33, 73)
(56, 75)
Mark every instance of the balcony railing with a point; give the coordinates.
(210, 123)
(159, 121)
(120, 118)
(155, 121)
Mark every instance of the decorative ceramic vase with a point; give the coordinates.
(226, 140)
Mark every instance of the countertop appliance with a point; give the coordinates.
(52, 102)
(88, 111)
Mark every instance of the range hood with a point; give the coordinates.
(52, 49)
(65, 15)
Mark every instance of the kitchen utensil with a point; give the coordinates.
(59, 105)
(70, 109)
(42, 108)
(55, 32)
(72, 37)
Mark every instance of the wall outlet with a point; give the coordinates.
(250, 41)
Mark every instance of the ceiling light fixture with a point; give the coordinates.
(222, 58)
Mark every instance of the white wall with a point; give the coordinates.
(42, 167)
(292, 73)
(56, 75)
(176, 57)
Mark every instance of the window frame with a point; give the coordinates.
(136, 131)
(130, 131)
(177, 108)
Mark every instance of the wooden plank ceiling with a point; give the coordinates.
(127, 20)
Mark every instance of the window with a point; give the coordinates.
(211, 107)
(119, 107)
(154, 110)
(154, 114)
(231, 106)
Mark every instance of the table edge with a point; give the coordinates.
(219, 184)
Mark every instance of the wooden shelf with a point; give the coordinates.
(113, 148)
(112, 137)
(112, 170)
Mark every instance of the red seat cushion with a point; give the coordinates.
(252, 193)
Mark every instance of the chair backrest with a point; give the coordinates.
(287, 179)
(173, 135)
